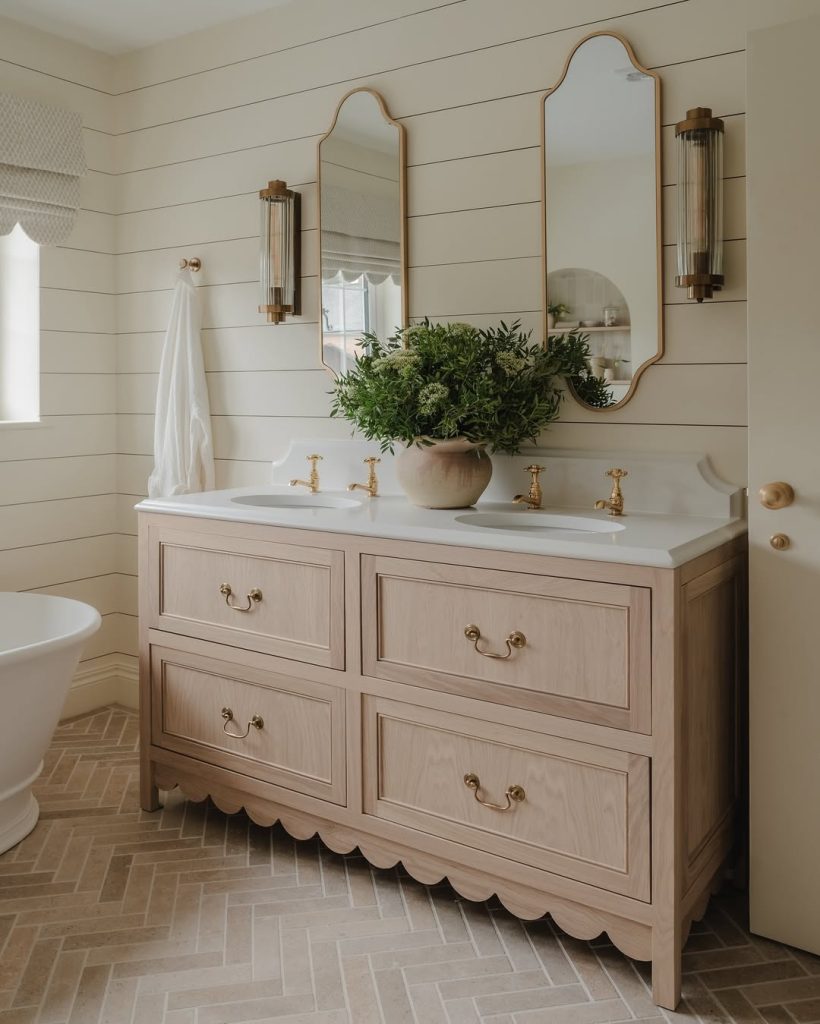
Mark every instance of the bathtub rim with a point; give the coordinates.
(91, 620)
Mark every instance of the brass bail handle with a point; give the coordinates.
(515, 794)
(253, 597)
(256, 722)
(514, 641)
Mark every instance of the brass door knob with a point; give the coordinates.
(776, 495)
(780, 542)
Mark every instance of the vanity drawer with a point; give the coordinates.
(583, 812)
(585, 649)
(284, 600)
(299, 739)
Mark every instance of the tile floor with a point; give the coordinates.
(189, 916)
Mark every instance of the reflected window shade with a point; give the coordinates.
(353, 257)
(41, 162)
(361, 235)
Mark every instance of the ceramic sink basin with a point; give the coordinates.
(295, 501)
(538, 522)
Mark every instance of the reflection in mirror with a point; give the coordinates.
(362, 228)
(602, 215)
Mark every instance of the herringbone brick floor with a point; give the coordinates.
(110, 915)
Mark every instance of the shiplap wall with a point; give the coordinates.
(205, 120)
(58, 480)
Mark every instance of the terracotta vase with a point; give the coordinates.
(445, 474)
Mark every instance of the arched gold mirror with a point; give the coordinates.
(362, 227)
(602, 274)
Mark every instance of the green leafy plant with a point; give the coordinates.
(434, 382)
(574, 346)
(558, 310)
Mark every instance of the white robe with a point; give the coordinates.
(183, 450)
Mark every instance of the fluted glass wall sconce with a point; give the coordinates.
(279, 267)
(699, 142)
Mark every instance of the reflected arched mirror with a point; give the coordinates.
(362, 241)
(602, 230)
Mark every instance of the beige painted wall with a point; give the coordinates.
(182, 135)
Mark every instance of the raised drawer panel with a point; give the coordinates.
(299, 744)
(586, 652)
(284, 600)
(584, 812)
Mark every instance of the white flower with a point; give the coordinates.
(432, 397)
(510, 363)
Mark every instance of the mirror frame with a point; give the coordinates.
(658, 212)
(382, 104)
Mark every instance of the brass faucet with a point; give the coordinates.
(615, 504)
(372, 485)
(312, 483)
(533, 498)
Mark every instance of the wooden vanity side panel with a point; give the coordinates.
(667, 789)
(587, 654)
(149, 793)
(712, 611)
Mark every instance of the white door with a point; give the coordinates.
(783, 140)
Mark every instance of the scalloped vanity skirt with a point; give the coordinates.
(41, 638)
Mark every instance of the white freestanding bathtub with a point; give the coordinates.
(40, 642)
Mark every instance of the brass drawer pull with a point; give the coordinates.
(514, 794)
(254, 597)
(516, 640)
(256, 722)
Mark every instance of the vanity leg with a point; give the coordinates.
(149, 794)
(666, 975)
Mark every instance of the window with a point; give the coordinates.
(345, 305)
(353, 308)
(345, 316)
(19, 327)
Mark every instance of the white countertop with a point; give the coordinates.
(655, 539)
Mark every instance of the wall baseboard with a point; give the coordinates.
(112, 679)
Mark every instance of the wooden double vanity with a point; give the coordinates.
(559, 731)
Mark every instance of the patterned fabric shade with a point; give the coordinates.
(360, 235)
(41, 161)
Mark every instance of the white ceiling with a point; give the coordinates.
(116, 26)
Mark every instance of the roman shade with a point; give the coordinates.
(41, 160)
(360, 235)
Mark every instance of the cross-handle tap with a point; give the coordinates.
(372, 485)
(615, 504)
(533, 498)
(312, 483)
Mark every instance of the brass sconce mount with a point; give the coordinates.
(280, 257)
(699, 142)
